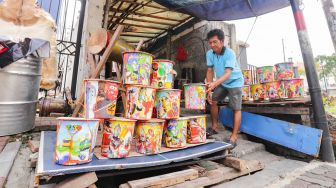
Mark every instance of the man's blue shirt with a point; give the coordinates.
(227, 59)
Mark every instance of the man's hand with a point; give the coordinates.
(211, 86)
(209, 96)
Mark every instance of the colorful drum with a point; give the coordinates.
(194, 96)
(247, 77)
(294, 88)
(284, 71)
(246, 93)
(176, 133)
(196, 129)
(100, 98)
(140, 102)
(117, 137)
(273, 90)
(258, 92)
(168, 103)
(137, 68)
(162, 74)
(265, 74)
(148, 136)
(75, 140)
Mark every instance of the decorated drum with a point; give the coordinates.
(168, 103)
(117, 137)
(75, 140)
(137, 68)
(258, 92)
(100, 98)
(284, 71)
(196, 129)
(140, 102)
(176, 133)
(265, 74)
(194, 96)
(162, 75)
(247, 76)
(246, 93)
(148, 136)
(294, 88)
(273, 90)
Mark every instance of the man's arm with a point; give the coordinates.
(209, 75)
(222, 79)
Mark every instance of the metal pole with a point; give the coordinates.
(320, 119)
(330, 14)
(78, 48)
(283, 50)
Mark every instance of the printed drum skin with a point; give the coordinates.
(140, 102)
(273, 90)
(100, 98)
(294, 88)
(246, 93)
(247, 76)
(194, 96)
(168, 103)
(196, 129)
(258, 92)
(162, 76)
(137, 68)
(148, 136)
(76, 138)
(117, 137)
(265, 74)
(176, 133)
(284, 71)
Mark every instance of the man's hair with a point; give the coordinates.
(216, 32)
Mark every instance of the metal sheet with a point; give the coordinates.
(46, 165)
(295, 136)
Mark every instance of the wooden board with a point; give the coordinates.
(7, 158)
(295, 136)
(221, 174)
(45, 124)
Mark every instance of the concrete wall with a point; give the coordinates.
(195, 43)
(93, 20)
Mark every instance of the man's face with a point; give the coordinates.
(215, 44)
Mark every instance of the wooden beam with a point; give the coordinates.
(145, 4)
(146, 21)
(147, 15)
(143, 36)
(99, 67)
(277, 110)
(80, 181)
(139, 45)
(7, 158)
(142, 26)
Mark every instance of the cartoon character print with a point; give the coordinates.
(91, 94)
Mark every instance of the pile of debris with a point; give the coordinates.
(332, 126)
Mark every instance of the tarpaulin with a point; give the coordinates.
(224, 10)
(11, 51)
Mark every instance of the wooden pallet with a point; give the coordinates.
(206, 173)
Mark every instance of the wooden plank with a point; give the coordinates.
(221, 175)
(99, 67)
(81, 181)
(7, 157)
(238, 164)
(295, 136)
(3, 142)
(277, 110)
(45, 124)
(166, 179)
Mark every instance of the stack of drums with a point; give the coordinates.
(274, 83)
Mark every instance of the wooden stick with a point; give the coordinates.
(99, 67)
(139, 45)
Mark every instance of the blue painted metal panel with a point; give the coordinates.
(47, 166)
(297, 137)
(224, 9)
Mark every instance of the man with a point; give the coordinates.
(222, 62)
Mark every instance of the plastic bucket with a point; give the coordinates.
(196, 129)
(75, 141)
(194, 96)
(168, 103)
(162, 76)
(137, 68)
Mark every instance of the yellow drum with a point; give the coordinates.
(176, 133)
(258, 92)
